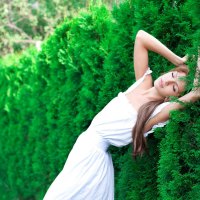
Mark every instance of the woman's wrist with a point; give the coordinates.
(195, 94)
(181, 61)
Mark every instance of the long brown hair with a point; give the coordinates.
(144, 112)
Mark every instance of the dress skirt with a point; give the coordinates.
(88, 172)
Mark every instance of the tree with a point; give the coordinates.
(26, 22)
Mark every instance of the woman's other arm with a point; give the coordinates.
(145, 42)
(164, 114)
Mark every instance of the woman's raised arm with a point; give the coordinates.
(145, 42)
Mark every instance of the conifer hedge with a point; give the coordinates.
(48, 98)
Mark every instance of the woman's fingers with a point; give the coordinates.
(185, 58)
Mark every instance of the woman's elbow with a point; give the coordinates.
(140, 34)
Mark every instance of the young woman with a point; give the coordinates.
(129, 117)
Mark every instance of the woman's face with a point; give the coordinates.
(170, 84)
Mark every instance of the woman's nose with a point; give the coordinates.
(168, 82)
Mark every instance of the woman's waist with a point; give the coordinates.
(91, 138)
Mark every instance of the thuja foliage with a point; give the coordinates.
(48, 98)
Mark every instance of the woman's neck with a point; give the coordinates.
(152, 95)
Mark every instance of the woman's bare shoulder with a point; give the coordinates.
(146, 83)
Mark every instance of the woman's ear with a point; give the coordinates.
(166, 99)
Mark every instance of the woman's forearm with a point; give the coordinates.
(190, 97)
(152, 44)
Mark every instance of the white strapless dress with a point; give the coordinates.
(88, 172)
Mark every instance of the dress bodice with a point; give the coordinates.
(117, 119)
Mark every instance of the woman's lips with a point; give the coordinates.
(161, 83)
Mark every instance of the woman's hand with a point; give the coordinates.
(184, 59)
(196, 92)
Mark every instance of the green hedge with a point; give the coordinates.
(48, 98)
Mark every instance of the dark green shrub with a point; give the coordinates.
(49, 98)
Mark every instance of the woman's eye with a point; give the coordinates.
(174, 89)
